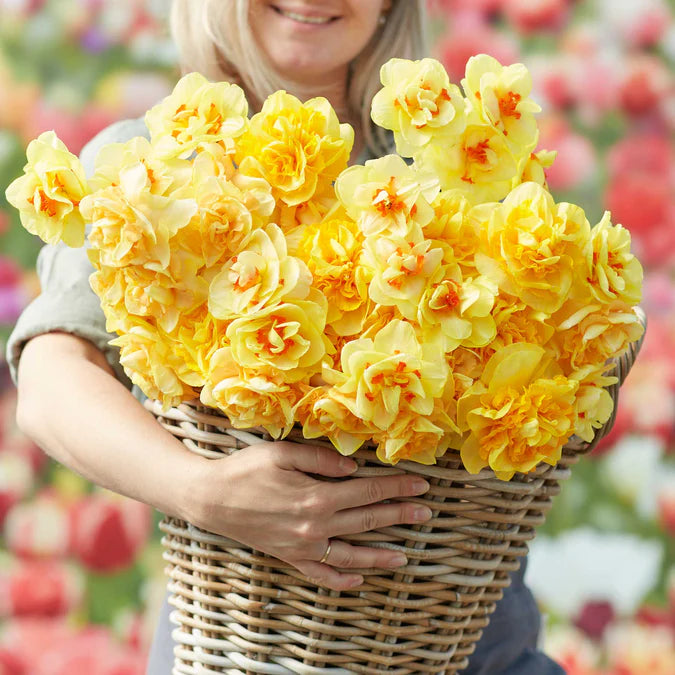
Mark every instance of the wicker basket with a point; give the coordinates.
(241, 611)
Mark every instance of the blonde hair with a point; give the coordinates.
(214, 37)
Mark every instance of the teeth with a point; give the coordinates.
(305, 19)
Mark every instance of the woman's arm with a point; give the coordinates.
(71, 405)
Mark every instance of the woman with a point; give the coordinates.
(72, 392)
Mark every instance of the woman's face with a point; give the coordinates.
(310, 41)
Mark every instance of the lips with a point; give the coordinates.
(304, 16)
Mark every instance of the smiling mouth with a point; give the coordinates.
(304, 18)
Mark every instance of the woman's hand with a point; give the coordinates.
(262, 496)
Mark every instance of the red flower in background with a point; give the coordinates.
(645, 204)
(451, 7)
(40, 588)
(643, 152)
(109, 531)
(53, 647)
(594, 618)
(530, 16)
(645, 86)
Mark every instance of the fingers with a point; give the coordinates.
(345, 556)
(325, 575)
(361, 491)
(365, 519)
(313, 459)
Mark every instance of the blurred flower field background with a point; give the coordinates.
(81, 569)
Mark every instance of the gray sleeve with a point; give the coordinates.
(66, 302)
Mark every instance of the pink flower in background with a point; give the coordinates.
(530, 16)
(73, 128)
(11, 663)
(64, 650)
(450, 8)
(13, 296)
(640, 23)
(16, 481)
(109, 531)
(645, 204)
(643, 152)
(666, 506)
(468, 34)
(575, 163)
(646, 83)
(42, 588)
(556, 80)
(39, 528)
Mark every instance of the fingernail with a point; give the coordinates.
(420, 486)
(355, 581)
(348, 465)
(398, 560)
(423, 513)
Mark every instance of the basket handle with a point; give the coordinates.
(622, 366)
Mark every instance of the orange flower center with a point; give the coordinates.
(387, 201)
(508, 105)
(45, 204)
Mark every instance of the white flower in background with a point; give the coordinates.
(584, 564)
(635, 648)
(632, 469)
(571, 649)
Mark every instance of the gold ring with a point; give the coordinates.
(327, 553)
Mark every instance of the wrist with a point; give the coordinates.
(199, 492)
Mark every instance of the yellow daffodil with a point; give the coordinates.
(386, 195)
(332, 250)
(250, 398)
(413, 438)
(418, 103)
(196, 337)
(136, 290)
(459, 308)
(49, 193)
(285, 337)
(150, 362)
(591, 333)
(614, 272)
(229, 210)
(530, 246)
(520, 413)
(401, 271)
(261, 275)
(298, 148)
(322, 412)
(196, 113)
(131, 226)
(164, 176)
(391, 374)
(501, 97)
(594, 404)
(516, 322)
(534, 168)
(479, 163)
(452, 230)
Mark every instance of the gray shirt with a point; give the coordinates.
(68, 304)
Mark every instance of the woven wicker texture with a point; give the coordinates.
(241, 611)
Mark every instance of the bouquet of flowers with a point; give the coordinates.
(436, 297)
